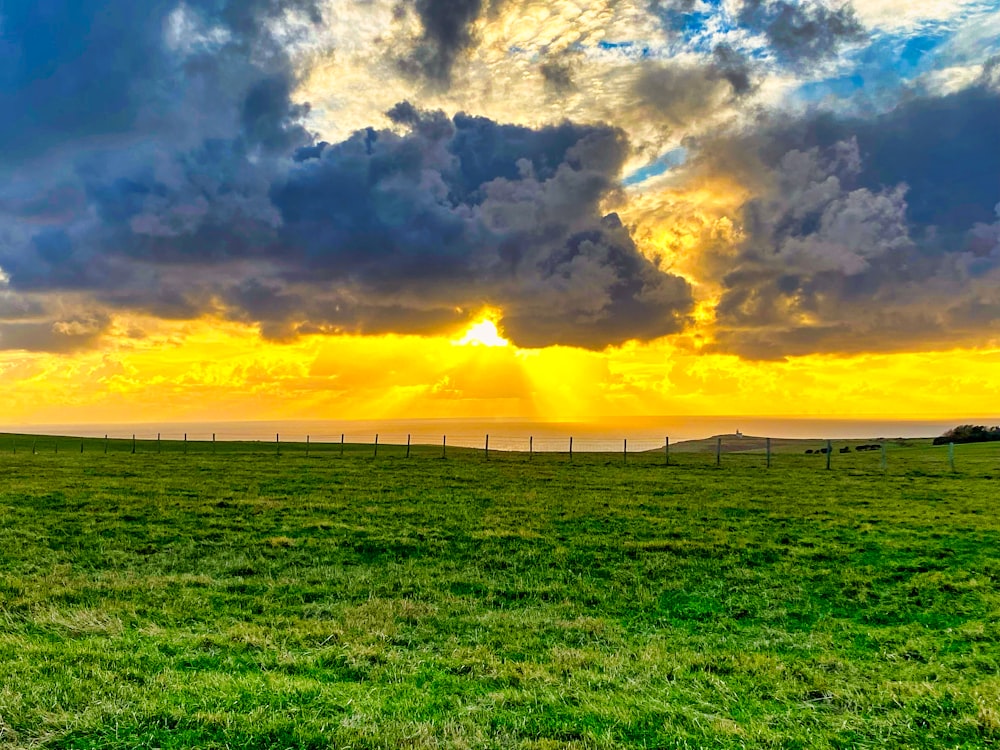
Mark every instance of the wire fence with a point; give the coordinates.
(719, 451)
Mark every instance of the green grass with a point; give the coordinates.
(238, 599)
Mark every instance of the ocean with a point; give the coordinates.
(641, 433)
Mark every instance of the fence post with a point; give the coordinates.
(277, 444)
(666, 451)
(307, 446)
(157, 442)
(531, 447)
(213, 442)
(444, 445)
(33, 447)
(376, 446)
(883, 456)
(571, 449)
(487, 447)
(185, 443)
(768, 441)
(105, 445)
(718, 451)
(829, 452)
(81, 447)
(407, 446)
(951, 456)
(624, 450)
(133, 443)
(341, 445)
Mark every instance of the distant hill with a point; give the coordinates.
(738, 443)
(969, 433)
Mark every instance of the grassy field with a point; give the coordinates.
(239, 599)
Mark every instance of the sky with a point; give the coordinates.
(373, 209)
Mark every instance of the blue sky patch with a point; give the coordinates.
(670, 160)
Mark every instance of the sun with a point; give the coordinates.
(482, 333)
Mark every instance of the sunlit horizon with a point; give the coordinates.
(217, 370)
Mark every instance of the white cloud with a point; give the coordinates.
(949, 80)
(185, 32)
(902, 15)
(976, 39)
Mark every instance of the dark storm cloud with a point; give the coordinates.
(59, 336)
(53, 259)
(733, 67)
(447, 32)
(865, 234)
(468, 212)
(558, 76)
(83, 69)
(945, 150)
(141, 138)
(802, 33)
(14, 307)
(381, 232)
(73, 68)
(268, 117)
(681, 93)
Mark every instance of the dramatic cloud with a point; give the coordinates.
(558, 75)
(382, 232)
(802, 33)
(866, 234)
(678, 94)
(466, 212)
(61, 336)
(87, 69)
(245, 160)
(447, 32)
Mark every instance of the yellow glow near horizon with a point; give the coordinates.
(482, 333)
(148, 370)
